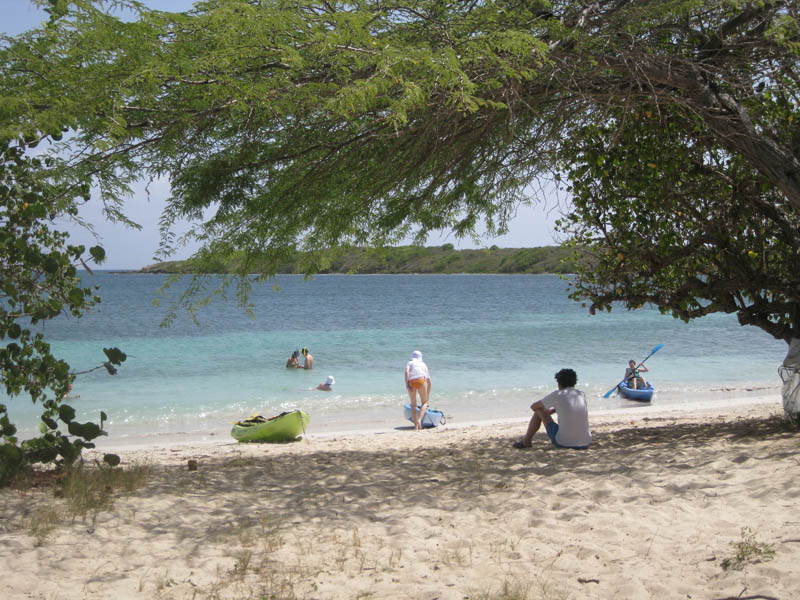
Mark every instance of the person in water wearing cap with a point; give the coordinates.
(418, 379)
(308, 363)
(328, 385)
(294, 361)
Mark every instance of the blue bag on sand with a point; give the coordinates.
(432, 418)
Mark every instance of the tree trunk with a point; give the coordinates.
(790, 374)
(731, 123)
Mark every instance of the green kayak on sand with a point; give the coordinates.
(282, 428)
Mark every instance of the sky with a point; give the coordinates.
(128, 248)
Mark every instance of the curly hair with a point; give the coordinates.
(566, 378)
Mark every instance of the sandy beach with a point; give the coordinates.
(656, 508)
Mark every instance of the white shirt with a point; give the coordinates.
(572, 416)
(417, 369)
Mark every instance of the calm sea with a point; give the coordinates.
(492, 343)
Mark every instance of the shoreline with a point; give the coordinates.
(142, 443)
(654, 508)
(172, 449)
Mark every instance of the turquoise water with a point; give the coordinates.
(492, 343)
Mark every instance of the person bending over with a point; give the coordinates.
(418, 379)
(569, 405)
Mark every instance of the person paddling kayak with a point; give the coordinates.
(633, 377)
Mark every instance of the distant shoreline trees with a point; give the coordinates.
(407, 259)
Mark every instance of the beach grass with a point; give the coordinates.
(748, 550)
(44, 521)
(90, 490)
(80, 491)
(516, 589)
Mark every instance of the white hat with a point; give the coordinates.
(330, 380)
(416, 354)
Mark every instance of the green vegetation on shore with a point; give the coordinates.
(408, 259)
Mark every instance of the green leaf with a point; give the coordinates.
(112, 460)
(76, 296)
(115, 355)
(98, 254)
(87, 431)
(66, 413)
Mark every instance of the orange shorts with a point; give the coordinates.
(417, 384)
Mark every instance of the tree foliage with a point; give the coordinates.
(674, 188)
(298, 126)
(38, 282)
(726, 242)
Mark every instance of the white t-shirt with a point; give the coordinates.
(572, 416)
(417, 369)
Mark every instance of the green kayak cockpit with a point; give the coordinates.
(284, 427)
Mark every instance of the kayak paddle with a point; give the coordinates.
(653, 351)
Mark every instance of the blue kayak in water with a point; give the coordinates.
(639, 394)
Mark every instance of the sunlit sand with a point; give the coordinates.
(658, 507)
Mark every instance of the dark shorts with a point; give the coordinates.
(552, 430)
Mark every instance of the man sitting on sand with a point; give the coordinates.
(572, 428)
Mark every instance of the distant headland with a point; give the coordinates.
(407, 259)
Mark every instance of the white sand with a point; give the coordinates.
(650, 511)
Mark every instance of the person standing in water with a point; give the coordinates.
(308, 362)
(294, 362)
(418, 379)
